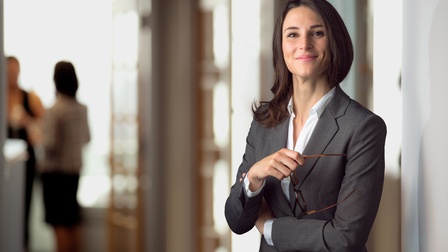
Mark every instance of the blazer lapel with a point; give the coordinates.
(324, 132)
(278, 141)
(279, 136)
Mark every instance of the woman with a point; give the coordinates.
(312, 174)
(25, 111)
(66, 131)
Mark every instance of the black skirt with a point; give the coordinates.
(60, 202)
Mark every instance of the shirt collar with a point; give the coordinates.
(319, 107)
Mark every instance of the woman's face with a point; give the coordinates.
(305, 44)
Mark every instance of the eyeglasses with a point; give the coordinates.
(298, 192)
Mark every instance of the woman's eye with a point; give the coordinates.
(318, 33)
(292, 35)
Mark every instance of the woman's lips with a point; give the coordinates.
(307, 57)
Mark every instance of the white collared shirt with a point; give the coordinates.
(314, 114)
(307, 130)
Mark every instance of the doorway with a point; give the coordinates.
(78, 31)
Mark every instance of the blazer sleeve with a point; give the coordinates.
(349, 229)
(241, 211)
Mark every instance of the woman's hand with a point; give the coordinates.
(264, 214)
(279, 164)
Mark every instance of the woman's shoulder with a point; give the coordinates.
(343, 104)
(357, 114)
(66, 104)
(360, 110)
(35, 103)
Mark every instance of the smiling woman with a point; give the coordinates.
(337, 192)
(305, 44)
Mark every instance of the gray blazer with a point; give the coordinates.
(345, 127)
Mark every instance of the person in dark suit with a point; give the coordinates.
(312, 174)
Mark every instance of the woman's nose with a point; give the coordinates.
(304, 43)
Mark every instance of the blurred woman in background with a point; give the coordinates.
(66, 131)
(25, 110)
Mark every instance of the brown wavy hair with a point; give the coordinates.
(273, 112)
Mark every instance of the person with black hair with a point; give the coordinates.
(312, 174)
(65, 133)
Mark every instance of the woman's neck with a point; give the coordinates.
(306, 94)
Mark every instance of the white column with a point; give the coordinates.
(387, 57)
(387, 27)
(245, 89)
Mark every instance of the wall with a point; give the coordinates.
(246, 87)
(424, 169)
(386, 44)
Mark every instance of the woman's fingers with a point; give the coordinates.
(287, 159)
(294, 155)
(279, 165)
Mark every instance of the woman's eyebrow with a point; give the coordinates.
(298, 28)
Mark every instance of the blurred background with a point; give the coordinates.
(169, 85)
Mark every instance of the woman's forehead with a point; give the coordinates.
(302, 17)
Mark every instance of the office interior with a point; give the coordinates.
(169, 86)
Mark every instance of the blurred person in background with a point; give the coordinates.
(65, 133)
(312, 174)
(25, 111)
